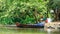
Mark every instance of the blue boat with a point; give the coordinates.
(38, 25)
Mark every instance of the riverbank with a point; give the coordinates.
(53, 26)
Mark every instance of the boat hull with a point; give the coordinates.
(30, 26)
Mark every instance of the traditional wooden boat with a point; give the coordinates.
(30, 25)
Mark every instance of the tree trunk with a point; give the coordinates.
(35, 14)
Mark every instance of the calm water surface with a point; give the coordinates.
(26, 30)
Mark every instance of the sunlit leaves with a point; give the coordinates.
(26, 10)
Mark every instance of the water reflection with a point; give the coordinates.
(32, 30)
(49, 31)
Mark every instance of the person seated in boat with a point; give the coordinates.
(18, 24)
(41, 23)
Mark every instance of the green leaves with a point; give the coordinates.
(25, 10)
(54, 3)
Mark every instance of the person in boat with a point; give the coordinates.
(48, 20)
(41, 23)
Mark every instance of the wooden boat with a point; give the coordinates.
(29, 25)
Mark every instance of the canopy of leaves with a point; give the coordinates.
(23, 11)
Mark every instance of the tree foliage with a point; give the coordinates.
(23, 11)
(54, 3)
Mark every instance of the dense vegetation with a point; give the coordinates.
(23, 11)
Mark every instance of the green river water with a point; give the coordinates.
(5, 30)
